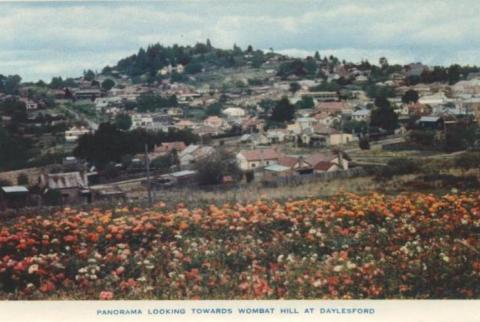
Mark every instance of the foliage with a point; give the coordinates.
(284, 111)
(22, 179)
(468, 160)
(214, 109)
(383, 115)
(15, 151)
(109, 144)
(212, 169)
(10, 84)
(422, 137)
(108, 84)
(410, 96)
(399, 166)
(151, 102)
(305, 103)
(123, 121)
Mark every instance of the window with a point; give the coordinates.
(253, 165)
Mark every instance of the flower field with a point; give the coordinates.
(348, 247)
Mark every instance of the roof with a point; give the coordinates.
(287, 161)
(429, 119)
(323, 129)
(277, 168)
(183, 173)
(330, 106)
(14, 189)
(318, 159)
(362, 112)
(64, 180)
(261, 154)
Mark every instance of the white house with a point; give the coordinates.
(256, 159)
(361, 115)
(74, 133)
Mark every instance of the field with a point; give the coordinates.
(347, 246)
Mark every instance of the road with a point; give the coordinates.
(80, 117)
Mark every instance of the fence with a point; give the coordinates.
(322, 176)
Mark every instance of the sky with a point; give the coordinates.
(39, 40)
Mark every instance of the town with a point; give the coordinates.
(198, 117)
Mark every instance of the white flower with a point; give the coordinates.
(32, 269)
(338, 268)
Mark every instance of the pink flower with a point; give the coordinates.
(106, 295)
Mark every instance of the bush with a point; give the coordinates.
(468, 160)
(398, 166)
(22, 179)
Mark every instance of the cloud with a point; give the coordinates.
(41, 40)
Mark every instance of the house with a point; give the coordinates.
(193, 153)
(234, 112)
(418, 109)
(431, 123)
(13, 197)
(323, 96)
(257, 159)
(332, 107)
(361, 115)
(179, 178)
(277, 135)
(326, 118)
(415, 69)
(275, 171)
(74, 133)
(167, 147)
(107, 193)
(215, 122)
(296, 164)
(322, 136)
(72, 186)
(184, 124)
(434, 99)
(326, 162)
(141, 120)
(87, 94)
(30, 105)
(175, 112)
(255, 139)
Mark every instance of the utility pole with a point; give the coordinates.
(149, 183)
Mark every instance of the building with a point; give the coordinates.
(257, 159)
(194, 153)
(234, 112)
(326, 162)
(72, 186)
(74, 133)
(13, 197)
(362, 115)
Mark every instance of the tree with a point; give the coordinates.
(10, 84)
(283, 111)
(294, 87)
(383, 62)
(383, 115)
(214, 109)
(22, 179)
(89, 75)
(108, 84)
(193, 68)
(410, 96)
(317, 55)
(468, 161)
(305, 103)
(123, 121)
(212, 169)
